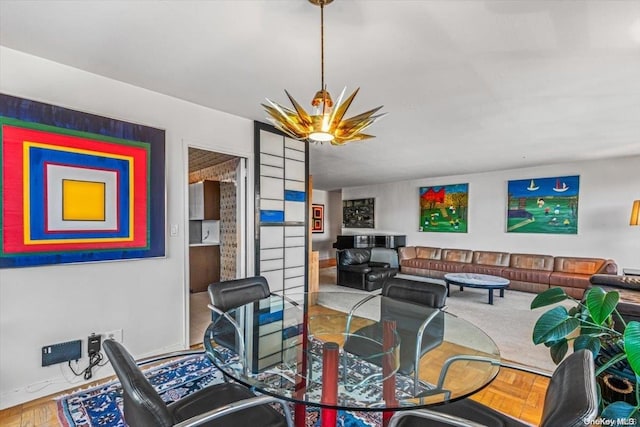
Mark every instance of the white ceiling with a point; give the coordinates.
(469, 86)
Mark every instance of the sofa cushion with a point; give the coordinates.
(445, 267)
(424, 252)
(406, 252)
(457, 255)
(527, 275)
(531, 262)
(491, 258)
(492, 270)
(416, 263)
(569, 280)
(585, 265)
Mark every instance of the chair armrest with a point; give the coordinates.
(237, 328)
(354, 308)
(436, 416)
(359, 268)
(235, 407)
(452, 359)
(379, 264)
(418, 351)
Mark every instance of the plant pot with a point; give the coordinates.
(614, 389)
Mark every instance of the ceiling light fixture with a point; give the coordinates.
(325, 123)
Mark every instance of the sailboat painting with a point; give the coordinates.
(543, 205)
(532, 186)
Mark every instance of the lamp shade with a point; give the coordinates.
(635, 213)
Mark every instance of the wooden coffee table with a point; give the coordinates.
(481, 281)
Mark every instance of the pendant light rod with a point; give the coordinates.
(322, 46)
(326, 123)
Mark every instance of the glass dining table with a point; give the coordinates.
(351, 351)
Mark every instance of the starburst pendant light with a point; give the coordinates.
(325, 123)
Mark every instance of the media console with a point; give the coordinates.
(391, 241)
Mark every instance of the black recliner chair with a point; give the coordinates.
(356, 270)
(218, 405)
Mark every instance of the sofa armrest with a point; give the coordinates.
(609, 267)
(379, 264)
(362, 268)
(614, 281)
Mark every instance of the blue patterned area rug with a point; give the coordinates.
(102, 405)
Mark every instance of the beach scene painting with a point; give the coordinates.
(444, 208)
(543, 205)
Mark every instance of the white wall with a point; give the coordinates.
(323, 242)
(146, 298)
(607, 190)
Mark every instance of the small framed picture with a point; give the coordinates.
(317, 218)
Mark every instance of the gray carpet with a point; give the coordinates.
(509, 321)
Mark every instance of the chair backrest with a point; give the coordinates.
(571, 398)
(143, 406)
(432, 295)
(353, 256)
(235, 293)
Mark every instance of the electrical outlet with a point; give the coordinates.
(115, 335)
(93, 344)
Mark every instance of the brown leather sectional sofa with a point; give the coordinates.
(527, 272)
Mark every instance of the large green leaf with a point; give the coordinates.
(558, 350)
(601, 304)
(619, 411)
(548, 297)
(632, 345)
(590, 343)
(553, 325)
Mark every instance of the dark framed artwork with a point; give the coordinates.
(77, 187)
(543, 205)
(358, 213)
(317, 218)
(444, 208)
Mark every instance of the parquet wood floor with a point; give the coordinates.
(516, 393)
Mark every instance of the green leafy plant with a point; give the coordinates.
(590, 325)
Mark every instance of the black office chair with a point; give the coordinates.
(219, 405)
(571, 401)
(420, 329)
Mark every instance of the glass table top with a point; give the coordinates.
(384, 354)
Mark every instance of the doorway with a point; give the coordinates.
(216, 223)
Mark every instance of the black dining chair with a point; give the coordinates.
(238, 292)
(218, 405)
(232, 294)
(420, 327)
(571, 401)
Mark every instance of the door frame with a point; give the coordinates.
(245, 226)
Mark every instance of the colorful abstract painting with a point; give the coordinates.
(77, 187)
(543, 205)
(317, 218)
(444, 208)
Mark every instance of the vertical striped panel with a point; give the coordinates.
(282, 220)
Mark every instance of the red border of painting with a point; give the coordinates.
(13, 223)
